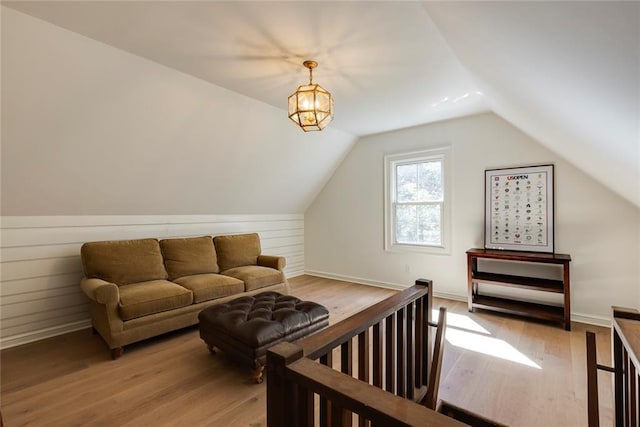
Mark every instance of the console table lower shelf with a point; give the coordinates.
(519, 308)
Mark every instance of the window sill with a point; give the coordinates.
(433, 250)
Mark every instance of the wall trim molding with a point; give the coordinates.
(575, 317)
(41, 268)
(296, 273)
(358, 280)
(591, 320)
(379, 284)
(26, 338)
(110, 220)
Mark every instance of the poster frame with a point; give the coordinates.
(525, 224)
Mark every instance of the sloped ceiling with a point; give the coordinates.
(567, 73)
(384, 62)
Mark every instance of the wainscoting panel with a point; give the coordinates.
(40, 267)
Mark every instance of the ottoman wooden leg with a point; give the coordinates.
(257, 374)
(211, 349)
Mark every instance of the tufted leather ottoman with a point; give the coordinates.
(247, 326)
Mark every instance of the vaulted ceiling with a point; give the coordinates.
(566, 73)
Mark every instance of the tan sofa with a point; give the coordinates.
(141, 288)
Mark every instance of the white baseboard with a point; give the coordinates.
(295, 273)
(379, 284)
(26, 338)
(453, 297)
(591, 320)
(575, 317)
(359, 280)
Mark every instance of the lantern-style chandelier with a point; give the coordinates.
(311, 106)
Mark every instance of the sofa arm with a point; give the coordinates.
(277, 262)
(101, 291)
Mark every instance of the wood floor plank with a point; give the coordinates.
(173, 379)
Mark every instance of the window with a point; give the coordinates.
(417, 201)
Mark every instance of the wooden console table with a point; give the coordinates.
(536, 310)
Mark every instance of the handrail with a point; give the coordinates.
(400, 360)
(626, 365)
(362, 398)
(625, 339)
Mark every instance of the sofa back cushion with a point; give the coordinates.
(237, 250)
(186, 257)
(123, 261)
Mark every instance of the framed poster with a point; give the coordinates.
(519, 209)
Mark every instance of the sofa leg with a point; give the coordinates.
(116, 352)
(257, 374)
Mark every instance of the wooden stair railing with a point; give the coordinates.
(393, 344)
(466, 416)
(625, 338)
(290, 397)
(400, 349)
(593, 412)
(431, 399)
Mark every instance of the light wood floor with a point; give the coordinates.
(173, 380)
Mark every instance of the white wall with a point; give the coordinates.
(88, 129)
(98, 144)
(601, 230)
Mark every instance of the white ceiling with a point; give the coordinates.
(384, 62)
(567, 73)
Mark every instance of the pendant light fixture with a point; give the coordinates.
(311, 106)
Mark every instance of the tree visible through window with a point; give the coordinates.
(416, 209)
(418, 206)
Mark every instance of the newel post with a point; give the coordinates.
(281, 395)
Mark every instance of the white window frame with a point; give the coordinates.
(391, 161)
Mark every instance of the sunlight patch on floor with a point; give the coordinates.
(461, 321)
(487, 345)
(462, 331)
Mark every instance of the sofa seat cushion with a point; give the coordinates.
(186, 257)
(142, 299)
(206, 287)
(255, 276)
(123, 261)
(237, 250)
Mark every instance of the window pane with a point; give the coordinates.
(417, 224)
(428, 220)
(406, 224)
(430, 181)
(407, 183)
